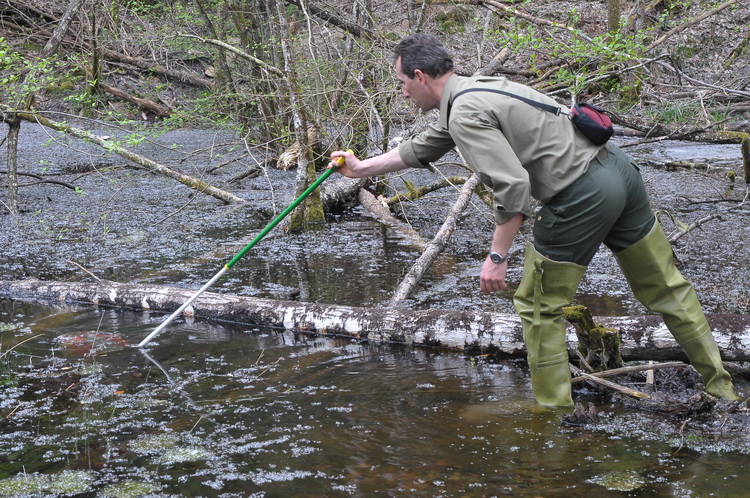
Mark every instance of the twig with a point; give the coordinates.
(650, 374)
(610, 385)
(674, 238)
(631, 369)
(686, 25)
(702, 83)
(8, 208)
(16, 345)
(583, 361)
(537, 20)
(682, 436)
(84, 269)
(226, 46)
(40, 178)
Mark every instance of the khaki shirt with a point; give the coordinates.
(515, 149)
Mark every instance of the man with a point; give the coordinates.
(590, 195)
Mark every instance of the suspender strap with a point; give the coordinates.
(539, 105)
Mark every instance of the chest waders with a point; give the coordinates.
(648, 266)
(546, 287)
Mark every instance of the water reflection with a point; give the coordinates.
(224, 411)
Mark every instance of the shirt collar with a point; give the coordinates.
(446, 99)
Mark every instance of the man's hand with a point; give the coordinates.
(352, 167)
(345, 162)
(492, 276)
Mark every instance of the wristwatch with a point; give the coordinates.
(497, 258)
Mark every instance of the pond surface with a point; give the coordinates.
(222, 410)
(228, 411)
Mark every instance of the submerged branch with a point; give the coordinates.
(41, 180)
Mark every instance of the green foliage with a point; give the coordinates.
(9, 59)
(588, 59)
(670, 113)
(22, 76)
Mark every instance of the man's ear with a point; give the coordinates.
(420, 76)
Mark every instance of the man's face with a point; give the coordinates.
(415, 89)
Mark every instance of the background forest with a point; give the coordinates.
(287, 82)
(318, 73)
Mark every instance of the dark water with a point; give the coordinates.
(229, 411)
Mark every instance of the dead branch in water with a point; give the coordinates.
(143, 162)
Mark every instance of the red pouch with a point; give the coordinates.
(593, 122)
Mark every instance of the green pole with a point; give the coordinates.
(280, 217)
(239, 255)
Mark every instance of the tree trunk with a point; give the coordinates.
(341, 190)
(745, 147)
(14, 128)
(61, 29)
(472, 332)
(613, 16)
(14, 120)
(152, 67)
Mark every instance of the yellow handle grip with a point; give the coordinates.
(342, 160)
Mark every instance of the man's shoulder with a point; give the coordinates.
(493, 89)
(467, 82)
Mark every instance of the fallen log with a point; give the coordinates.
(158, 110)
(436, 245)
(153, 68)
(472, 332)
(143, 162)
(460, 330)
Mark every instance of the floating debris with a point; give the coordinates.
(628, 480)
(129, 489)
(90, 343)
(169, 449)
(65, 483)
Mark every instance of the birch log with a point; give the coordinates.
(473, 332)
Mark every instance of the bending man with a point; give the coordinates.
(590, 195)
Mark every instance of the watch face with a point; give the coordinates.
(496, 258)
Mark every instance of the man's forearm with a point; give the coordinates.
(504, 234)
(378, 165)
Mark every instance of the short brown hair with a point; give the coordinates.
(424, 52)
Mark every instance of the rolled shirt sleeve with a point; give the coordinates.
(491, 157)
(431, 145)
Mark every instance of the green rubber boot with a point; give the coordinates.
(546, 287)
(649, 267)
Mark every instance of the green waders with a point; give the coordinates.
(546, 287)
(650, 270)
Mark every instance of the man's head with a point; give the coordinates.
(422, 67)
(423, 52)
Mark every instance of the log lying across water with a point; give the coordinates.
(643, 337)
